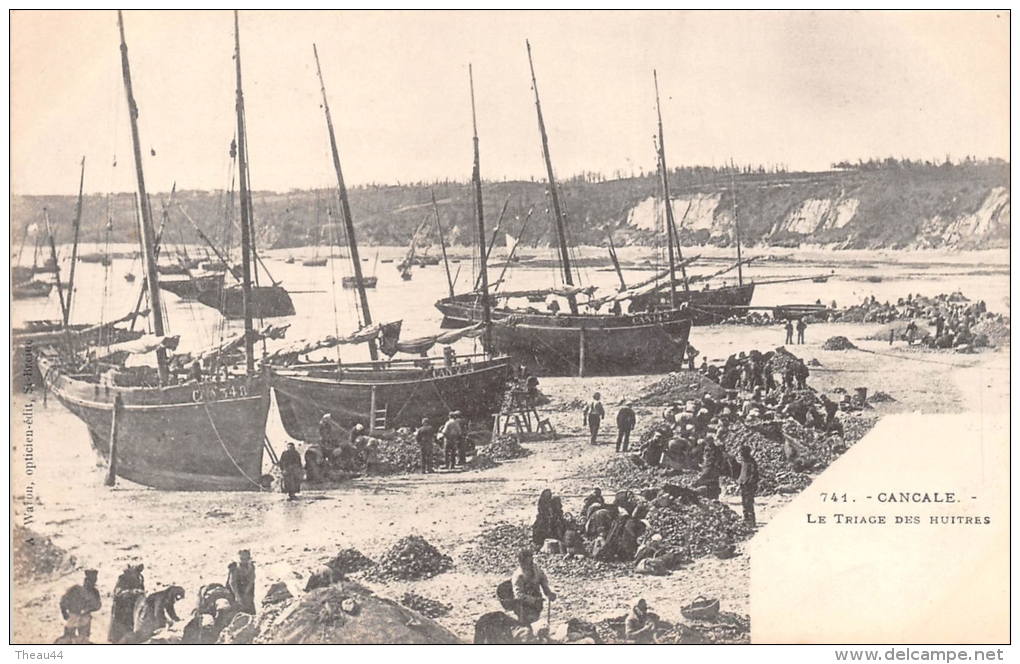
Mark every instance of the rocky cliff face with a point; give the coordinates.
(888, 205)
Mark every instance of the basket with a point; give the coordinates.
(701, 608)
(726, 551)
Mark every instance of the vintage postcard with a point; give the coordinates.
(500, 327)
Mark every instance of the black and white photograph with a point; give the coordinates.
(434, 327)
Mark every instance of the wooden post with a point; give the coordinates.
(111, 476)
(580, 364)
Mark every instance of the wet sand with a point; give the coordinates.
(188, 539)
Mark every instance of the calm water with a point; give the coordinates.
(325, 308)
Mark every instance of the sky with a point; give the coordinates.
(804, 89)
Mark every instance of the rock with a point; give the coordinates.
(838, 343)
(412, 559)
(349, 561)
(679, 386)
(502, 448)
(277, 593)
(427, 607)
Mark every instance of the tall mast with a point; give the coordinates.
(345, 208)
(242, 175)
(56, 266)
(147, 235)
(476, 178)
(442, 242)
(74, 245)
(736, 227)
(670, 223)
(616, 261)
(561, 234)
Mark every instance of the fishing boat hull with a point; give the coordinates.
(551, 344)
(20, 273)
(406, 394)
(314, 262)
(594, 345)
(31, 289)
(102, 259)
(351, 282)
(266, 302)
(707, 307)
(194, 287)
(173, 270)
(191, 437)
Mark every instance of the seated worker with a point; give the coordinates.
(640, 626)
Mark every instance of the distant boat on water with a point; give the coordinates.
(195, 435)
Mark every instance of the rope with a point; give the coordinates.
(224, 447)
(907, 357)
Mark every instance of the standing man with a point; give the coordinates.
(129, 587)
(327, 437)
(463, 442)
(451, 440)
(241, 581)
(692, 355)
(801, 326)
(76, 606)
(593, 414)
(748, 483)
(290, 466)
(426, 437)
(789, 331)
(529, 583)
(625, 421)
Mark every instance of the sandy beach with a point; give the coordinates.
(188, 539)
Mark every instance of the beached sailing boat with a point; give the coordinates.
(572, 343)
(662, 291)
(195, 435)
(382, 393)
(707, 304)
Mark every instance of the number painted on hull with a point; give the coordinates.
(216, 393)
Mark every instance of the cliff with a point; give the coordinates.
(893, 205)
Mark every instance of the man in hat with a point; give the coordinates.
(748, 483)
(801, 326)
(426, 438)
(290, 466)
(789, 331)
(129, 587)
(625, 421)
(593, 414)
(529, 583)
(327, 437)
(241, 581)
(692, 355)
(77, 606)
(640, 626)
(451, 439)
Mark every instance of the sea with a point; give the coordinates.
(324, 308)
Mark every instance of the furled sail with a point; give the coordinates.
(425, 344)
(384, 332)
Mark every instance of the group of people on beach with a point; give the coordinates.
(137, 616)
